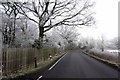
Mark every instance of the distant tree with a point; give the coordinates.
(116, 42)
(101, 42)
(69, 35)
(91, 43)
(87, 42)
(53, 39)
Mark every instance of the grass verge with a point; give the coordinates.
(111, 63)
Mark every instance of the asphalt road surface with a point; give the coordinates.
(75, 64)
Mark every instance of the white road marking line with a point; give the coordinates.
(56, 62)
(40, 77)
(52, 66)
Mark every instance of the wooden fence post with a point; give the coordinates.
(35, 60)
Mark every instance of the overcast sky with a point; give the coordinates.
(106, 19)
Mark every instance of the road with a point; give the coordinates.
(75, 64)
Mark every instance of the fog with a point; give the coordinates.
(106, 15)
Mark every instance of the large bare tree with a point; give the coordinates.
(51, 13)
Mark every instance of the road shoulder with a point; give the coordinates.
(113, 65)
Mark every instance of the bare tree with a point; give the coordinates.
(53, 40)
(25, 33)
(91, 43)
(7, 30)
(51, 13)
(69, 34)
(101, 43)
(17, 30)
(87, 42)
(9, 24)
(115, 42)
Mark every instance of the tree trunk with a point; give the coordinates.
(102, 48)
(41, 35)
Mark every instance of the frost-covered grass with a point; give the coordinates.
(111, 55)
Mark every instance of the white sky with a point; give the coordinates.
(106, 19)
